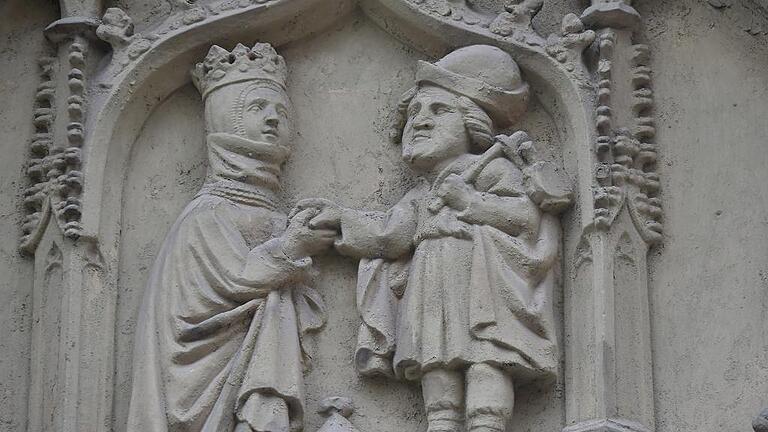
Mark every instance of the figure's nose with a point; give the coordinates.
(271, 118)
(422, 122)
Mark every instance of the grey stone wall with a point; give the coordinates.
(709, 282)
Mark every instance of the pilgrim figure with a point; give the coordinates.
(455, 281)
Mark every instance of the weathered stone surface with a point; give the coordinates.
(630, 102)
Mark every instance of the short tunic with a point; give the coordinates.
(478, 290)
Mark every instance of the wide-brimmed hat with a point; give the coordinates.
(485, 74)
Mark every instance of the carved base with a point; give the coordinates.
(615, 15)
(607, 425)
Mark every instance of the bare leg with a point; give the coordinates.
(490, 398)
(443, 399)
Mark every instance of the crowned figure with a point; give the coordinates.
(455, 281)
(219, 333)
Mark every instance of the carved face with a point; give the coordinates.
(265, 116)
(434, 132)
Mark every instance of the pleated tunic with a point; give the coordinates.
(478, 286)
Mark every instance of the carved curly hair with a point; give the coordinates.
(478, 124)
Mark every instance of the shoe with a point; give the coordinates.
(443, 425)
(485, 423)
(444, 420)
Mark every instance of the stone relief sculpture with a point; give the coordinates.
(455, 281)
(92, 103)
(219, 337)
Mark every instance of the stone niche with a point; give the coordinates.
(344, 83)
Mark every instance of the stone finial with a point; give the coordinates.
(116, 27)
(611, 13)
(338, 409)
(336, 404)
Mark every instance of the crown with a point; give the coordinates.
(222, 67)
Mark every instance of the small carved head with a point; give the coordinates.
(116, 27)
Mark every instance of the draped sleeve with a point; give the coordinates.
(379, 235)
(236, 272)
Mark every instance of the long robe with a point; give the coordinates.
(477, 289)
(218, 340)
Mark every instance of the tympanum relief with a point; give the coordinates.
(455, 281)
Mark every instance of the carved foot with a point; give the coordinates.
(444, 420)
(485, 423)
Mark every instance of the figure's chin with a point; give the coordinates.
(420, 162)
(272, 139)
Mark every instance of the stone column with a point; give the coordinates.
(72, 341)
(609, 375)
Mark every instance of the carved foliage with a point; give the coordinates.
(117, 27)
(459, 11)
(566, 46)
(645, 205)
(35, 198)
(69, 182)
(626, 160)
(573, 39)
(608, 198)
(517, 16)
(54, 170)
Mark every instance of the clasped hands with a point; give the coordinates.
(313, 227)
(315, 223)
